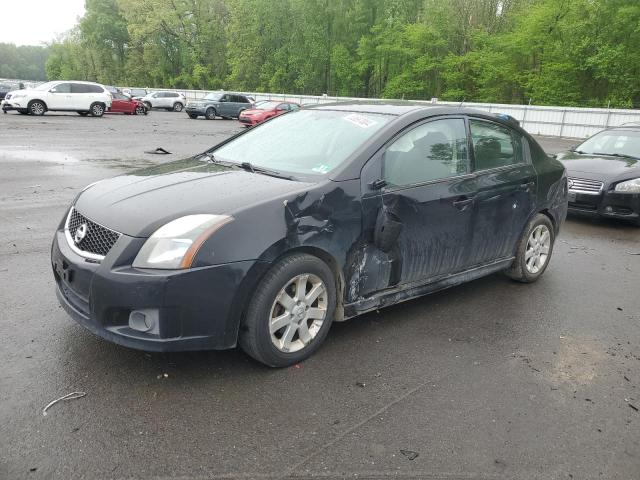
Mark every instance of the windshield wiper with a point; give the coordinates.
(264, 171)
(578, 151)
(620, 155)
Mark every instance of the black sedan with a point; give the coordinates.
(604, 174)
(315, 216)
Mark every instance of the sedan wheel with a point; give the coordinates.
(140, 110)
(538, 248)
(177, 107)
(534, 250)
(298, 312)
(290, 312)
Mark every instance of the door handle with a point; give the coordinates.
(462, 203)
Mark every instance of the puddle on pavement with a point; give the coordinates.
(20, 153)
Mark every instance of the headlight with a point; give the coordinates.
(175, 245)
(630, 186)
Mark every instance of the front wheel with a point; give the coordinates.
(37, 107)
(291, 311)
(210, 113)
(141, 110)
(534, 250)
(97, 109)
(177, 107)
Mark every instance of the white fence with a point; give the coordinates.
(572, 122)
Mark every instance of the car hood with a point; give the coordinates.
(602, 168)
(138, 203)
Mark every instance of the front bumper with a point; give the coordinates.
(197, 308)
(250, 121)
(195, 110)
(610, 204)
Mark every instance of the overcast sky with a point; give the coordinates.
(40, 20)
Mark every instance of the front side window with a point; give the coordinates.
(62, 88)
(312, 142)
(494, 146)
(431, 151)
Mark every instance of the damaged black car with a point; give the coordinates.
(315, 216)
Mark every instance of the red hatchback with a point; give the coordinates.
(266, 110)
(124, 104)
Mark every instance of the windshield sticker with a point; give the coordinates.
(360, 120)
(322, 168)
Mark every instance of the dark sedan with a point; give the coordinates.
(312, 217)
(604, 174)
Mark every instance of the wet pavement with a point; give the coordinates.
(492, 379)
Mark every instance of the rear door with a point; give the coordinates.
(506, 186)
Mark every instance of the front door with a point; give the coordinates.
(60, 97)
(428, 193)
(506, 190)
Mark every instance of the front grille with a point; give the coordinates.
(96, 241)
(584, 185)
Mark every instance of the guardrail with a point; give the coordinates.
(571, 122)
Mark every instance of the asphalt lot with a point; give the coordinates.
(492, 379)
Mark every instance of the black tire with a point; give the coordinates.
(177, 107)
(140, 110)
(148, 105)
(192, 116)
(83, 114)
(519, 270)
(97, 109)
(36, 107)
(255, 337)
(210, 113)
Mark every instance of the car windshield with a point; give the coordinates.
(613, 142)
(46, 86)
(212, 96)
(305, 142)
(267, 105)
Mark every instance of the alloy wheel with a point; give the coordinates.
(538, 247)
(298, 312)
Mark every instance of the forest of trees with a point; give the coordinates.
(562, 52)
(25, 62)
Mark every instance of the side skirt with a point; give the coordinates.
(410, 291)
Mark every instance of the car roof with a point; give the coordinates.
(399, 108)
(625, 127)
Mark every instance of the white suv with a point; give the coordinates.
(82, 97)
(168, 100)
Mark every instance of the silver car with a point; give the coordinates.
(168, 100)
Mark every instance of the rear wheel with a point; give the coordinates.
(97, 109)
(36, 107)
(210, 113)
(534, 250)
(177, 107)
(290, 312)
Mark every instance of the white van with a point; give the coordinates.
(71, 96)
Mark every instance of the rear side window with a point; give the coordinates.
(431, 151)
(494, 145)
(95, 89)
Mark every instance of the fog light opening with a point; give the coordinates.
(144, 321)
